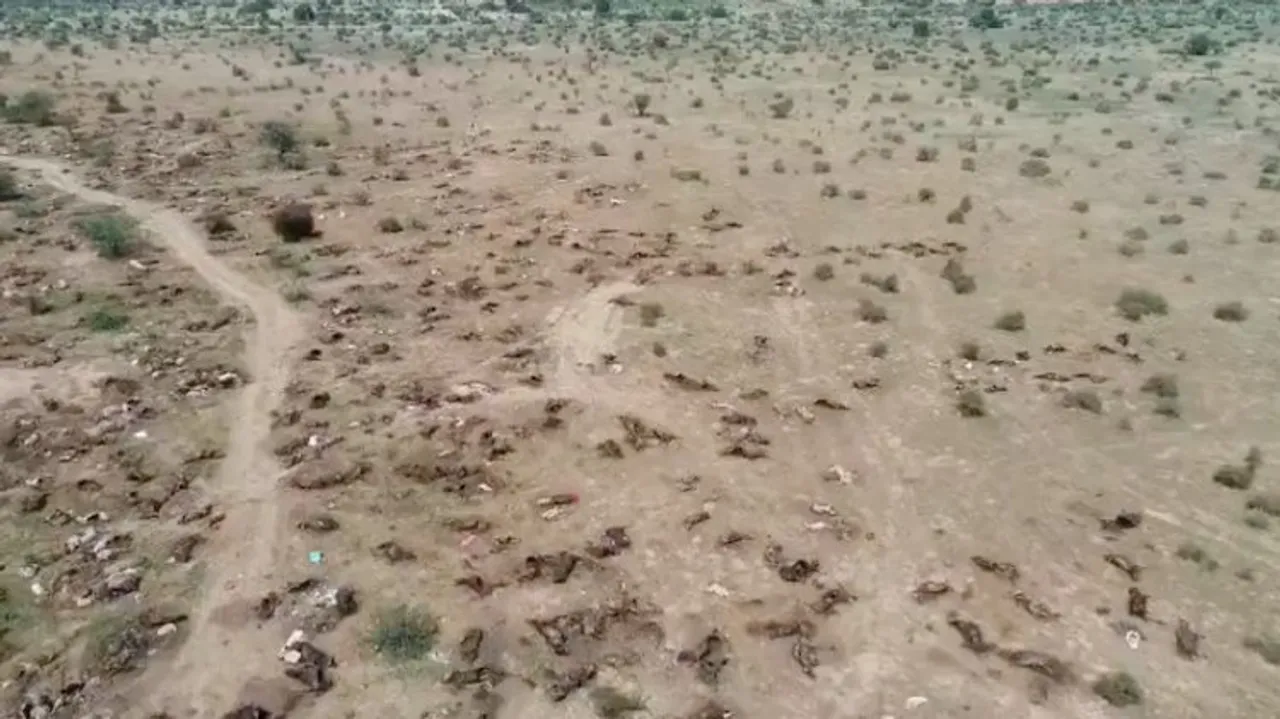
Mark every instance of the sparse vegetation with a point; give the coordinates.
(1231, 312)
(1136, 304)
(112, 236)
(971, 403)
(404, 634)
(1119, 689)
(1015, 321)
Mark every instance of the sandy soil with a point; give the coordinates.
(807, 361)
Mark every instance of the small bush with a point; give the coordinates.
(1135, 304)
(111, 235)
(1161, 385)
(887, 284)
(1034, 168)
(9, 187)
(1199, 45)
(986, 19)
(782, 108)
(871, 312)
(1119, 689)
(609, 703)
(1085, 399)
(33, 107)
(1267, 503)
(962, 283)
(1015, 321)
(280, 136)
(1239, 476)
(970, 351)
(824, 272)
(404, 634)
(1266, 647)
(971, 403)
(294, 222)
(1192, 552)
(641, 101)
(920, 29)
(1231, 312)
(105, 319)
(390, 225)
(650, 313)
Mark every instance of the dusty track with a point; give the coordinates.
(213, 663)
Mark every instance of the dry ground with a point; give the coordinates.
(697, 409)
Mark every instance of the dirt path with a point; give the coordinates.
(214, 662)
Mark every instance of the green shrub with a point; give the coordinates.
(1199, 45)
(280, 136)
(9, 187)
(112, 235)
(33, 107)
(404, 634)
(106, 319)
(986, 19)
(1134, 304)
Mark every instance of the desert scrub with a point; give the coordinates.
(112, 236)
(887, 283)
(1161, 385)
(824, 272)
(1119, 689)
(1231, 312)
(650, 313)
(1267, 647)
(279, 136)
(106, 319)
(970, 351)
(971, 403)
(962, 283)
(9, 186)
(33, 107)
(404, 634)
(1015, 321)
(609, 703)
(1265, 503)
(1194, 553)
(871, 312)
(1240, 476)
(1135, 304)
(1085, 399)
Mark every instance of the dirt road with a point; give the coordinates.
(213, 663)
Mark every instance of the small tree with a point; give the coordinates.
(603, 7)
(1199, 45)
(920, 29)
(280, 136)
(304, 13)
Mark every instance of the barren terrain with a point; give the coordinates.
(693, 362)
